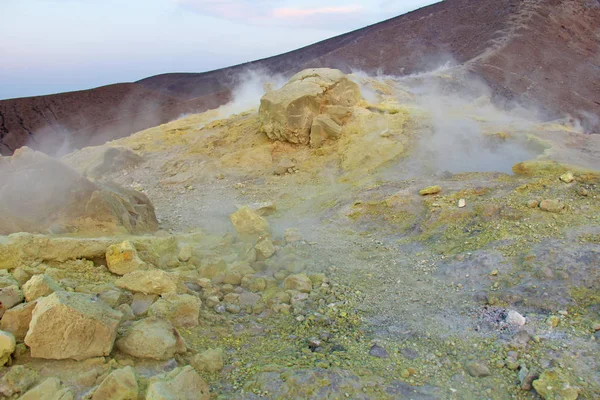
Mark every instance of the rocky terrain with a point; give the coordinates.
(542, 53)
(348, 237)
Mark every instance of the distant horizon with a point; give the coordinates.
(80, 52)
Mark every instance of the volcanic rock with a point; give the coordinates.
(210, 361)
(122, 259)
(17, 380)
(152, 338)
(247, 222)
(9, 297)
(149, 282)
(288, 114)
(121, 384)
(17, 320)
(72, 325)
(40, 194)
(179, 384)
(7, 346)
(39, 286)
(49, 389)
(181, 310)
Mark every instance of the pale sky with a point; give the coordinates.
(50, 46)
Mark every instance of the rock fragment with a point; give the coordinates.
(179, 384)
(72, 325)
(123, 258)
(264, 247)
(553, 206)
(17, 320)
(181, 310)
(552, 385)
(49, 389)
(149, 282)
(462, 203)
(477, 369)
(567, 177)
(152, 338)
(38, 286)
(17, 380)
(378, 351)
(7, 346)
(515, 319)
(121, 384)
(299, 282)
(430, 190)
(209, 361)
(10, 296)
(247, 222)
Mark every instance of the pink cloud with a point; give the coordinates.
(306, 12)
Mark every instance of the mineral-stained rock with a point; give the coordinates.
(179, 384)
(7, 346)
(287, 114)
(554, 206)
(148, 282)
(430, 190)
(121, 384)
(17, 319)
(152, 338)
(477, 369)
(72, 325)
(247, 222)
(209, 361)
(39, 286)
(49, 389)
(6, 279)
(567, 177)
(181, 310)
(40, 194)
(185, 254)
(323, 128)
(552, 385)
(122, 259)
(264, 247)
(299, 282)
(9, 297)
(17, 380)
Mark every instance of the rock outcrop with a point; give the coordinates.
(296, 112)
(72, 325)
(41, 194)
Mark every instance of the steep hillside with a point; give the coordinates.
(541, 53)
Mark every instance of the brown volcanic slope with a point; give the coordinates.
(540, 52)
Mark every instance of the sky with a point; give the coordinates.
(51, 46)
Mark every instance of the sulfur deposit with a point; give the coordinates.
(351, 237)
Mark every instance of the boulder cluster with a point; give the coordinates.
(135, 298)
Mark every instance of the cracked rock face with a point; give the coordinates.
(288, 114)
(41, 194)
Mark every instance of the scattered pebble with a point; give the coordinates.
(378, 351)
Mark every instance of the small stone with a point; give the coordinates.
(212, 301)
(39, 286)
(526, 378)
(121, 384)
(516, 319)
(152, 338)
(149, 282)
(141, 303)
(179, 384)
(552, 385)
(378, 351)
(553, 321)
(10, 296)
(123, 258)
(17, 380)
(127, 312)
(181, 310)
(494, 273)
(292, 235)
(17, 319)
(462, 203)
(284, 166)
(533, 203)
(185, 254)
(430, 190)
(477, 369)
(8, 344)
(209, 361)
(299, 282)
(409, 353)
(567, 177)
(264, 248)
(254, 283)
(596, 327)
(49, 389)
(248, 222)
(233, 308)
(553, 206)
(583, 192)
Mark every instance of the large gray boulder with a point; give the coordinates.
(288, 114)
(39, 194)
